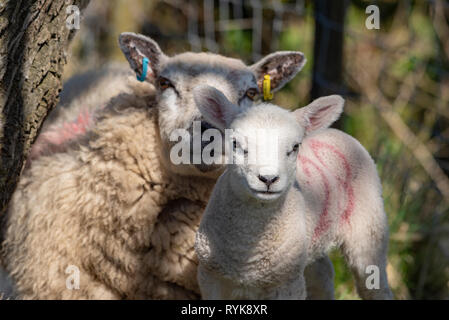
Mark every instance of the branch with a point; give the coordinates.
(441, 26)
(368, 83)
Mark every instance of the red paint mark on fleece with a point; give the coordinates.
(69, 130)
(54, 139)
(76, 128)
(323, 223)
(317, 146)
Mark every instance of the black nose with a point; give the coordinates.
(268, 180)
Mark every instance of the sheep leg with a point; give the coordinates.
(6, 285)
(319, 277)
(365, 249)
(294, 290)
(210, 287)
(367, 272)
(216, 288)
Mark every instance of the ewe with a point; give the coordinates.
(101, 192)
(262, 226)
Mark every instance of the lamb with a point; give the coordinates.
(107, 201)
(262, 226)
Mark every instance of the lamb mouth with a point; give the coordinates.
(266, 192)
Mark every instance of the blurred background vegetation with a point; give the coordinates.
(395, 81)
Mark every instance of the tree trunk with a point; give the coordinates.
(33, 43)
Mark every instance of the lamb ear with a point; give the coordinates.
(136, 47)
(214, 106)
(282, 66)
(320, 114)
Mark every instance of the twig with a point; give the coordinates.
(440, 25)
(403, 132)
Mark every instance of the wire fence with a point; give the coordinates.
(232, 15)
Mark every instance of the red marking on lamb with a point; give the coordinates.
(324, 222)
(318, 146)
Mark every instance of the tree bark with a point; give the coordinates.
(33, 43)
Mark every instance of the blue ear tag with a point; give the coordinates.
(143, 76)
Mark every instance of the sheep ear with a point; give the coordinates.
(282, 66)
(136, 47)
(320, 114)
(214, 106)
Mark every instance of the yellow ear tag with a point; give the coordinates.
(267, 95)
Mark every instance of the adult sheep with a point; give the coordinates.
(101, 195)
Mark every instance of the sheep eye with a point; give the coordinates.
(164, 83)
(252, 93)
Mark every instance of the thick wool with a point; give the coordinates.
(109, 208)
(248, 251)
(76, 112)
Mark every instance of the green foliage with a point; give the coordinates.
(237, 41)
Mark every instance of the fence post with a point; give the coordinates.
(328, 47)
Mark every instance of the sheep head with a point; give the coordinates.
(265, 139)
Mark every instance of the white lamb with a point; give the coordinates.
(262, 227)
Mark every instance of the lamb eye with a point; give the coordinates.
(294, 150)
(164, 83)
(252, 93)
(296, 147)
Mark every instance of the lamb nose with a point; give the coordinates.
(268, 180)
